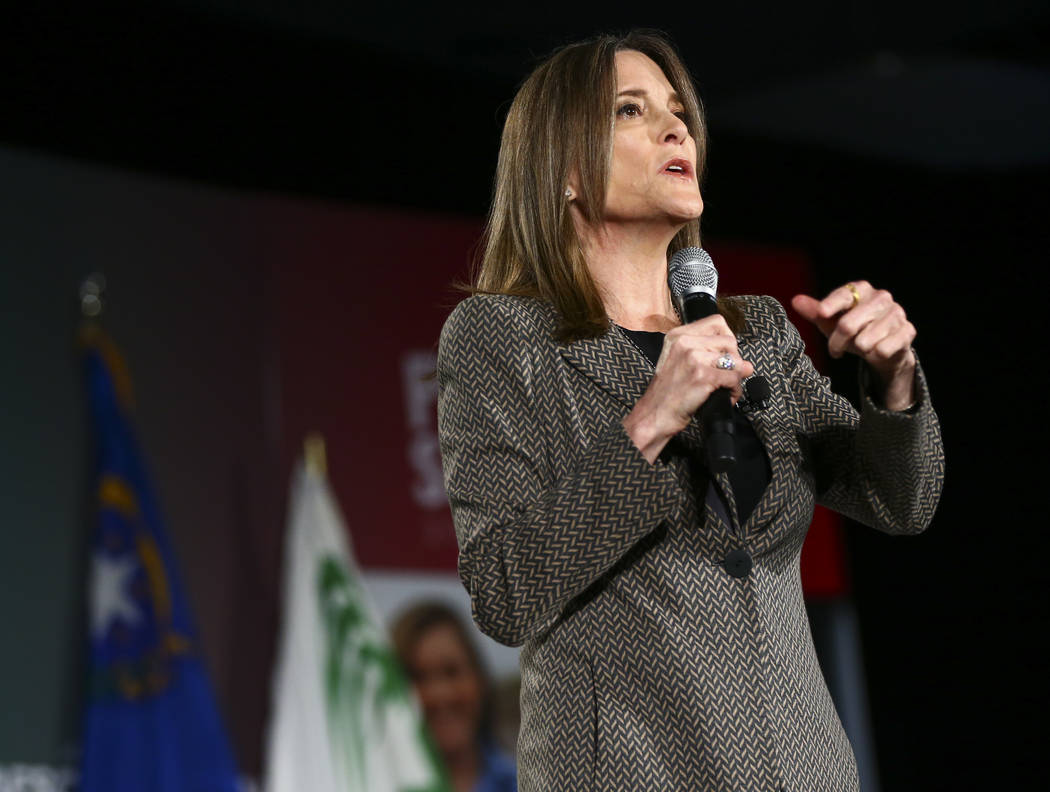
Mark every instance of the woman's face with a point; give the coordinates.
(449, 688)
(653, 171)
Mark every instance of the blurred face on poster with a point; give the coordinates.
(450, 689)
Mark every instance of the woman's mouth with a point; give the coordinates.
(679, 167)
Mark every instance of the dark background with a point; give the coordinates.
(904, 143)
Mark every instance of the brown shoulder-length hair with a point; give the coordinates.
(559, 124)
(415, 621)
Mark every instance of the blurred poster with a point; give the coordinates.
(359, 319)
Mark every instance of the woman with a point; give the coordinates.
(665, 642)
(448, 677)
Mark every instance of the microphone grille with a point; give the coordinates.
(691, 270)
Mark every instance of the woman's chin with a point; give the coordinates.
(452, 738)
(687, 212)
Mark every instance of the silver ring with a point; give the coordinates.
(726, 361)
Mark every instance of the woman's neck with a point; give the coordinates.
(630, 270)
(464, 768)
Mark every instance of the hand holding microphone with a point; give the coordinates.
(700, 368)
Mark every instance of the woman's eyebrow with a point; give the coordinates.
(642, 93)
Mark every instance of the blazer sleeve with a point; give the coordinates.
(530, 539)
(879, 467)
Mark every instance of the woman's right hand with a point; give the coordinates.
(687, 373)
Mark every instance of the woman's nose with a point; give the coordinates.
(675, 129)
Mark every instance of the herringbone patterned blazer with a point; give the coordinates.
(646, 665)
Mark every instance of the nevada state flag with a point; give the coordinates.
(151, 724)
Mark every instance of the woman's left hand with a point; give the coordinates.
(866, 321)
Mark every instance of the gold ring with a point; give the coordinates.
(855, 293)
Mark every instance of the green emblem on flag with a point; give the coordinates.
(344, 716)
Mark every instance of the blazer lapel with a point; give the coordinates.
(771, 425)
(768, 423)
(613, 363)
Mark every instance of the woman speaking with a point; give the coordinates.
(659, 604)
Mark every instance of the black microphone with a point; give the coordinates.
(694, 282)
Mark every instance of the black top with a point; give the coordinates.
(751, 473)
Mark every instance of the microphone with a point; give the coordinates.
(694, 282)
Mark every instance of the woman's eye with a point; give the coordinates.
(630, 110)
(681, 114)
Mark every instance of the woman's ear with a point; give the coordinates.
(572, 186)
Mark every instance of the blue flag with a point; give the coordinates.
(151, 723)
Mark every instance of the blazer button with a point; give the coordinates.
(738, 563)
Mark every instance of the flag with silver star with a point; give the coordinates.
(151, 722)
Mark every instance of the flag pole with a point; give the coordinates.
(314, 454)
(92, 291)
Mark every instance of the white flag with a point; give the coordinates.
(343, 719)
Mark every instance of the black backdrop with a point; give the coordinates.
(951, 620)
